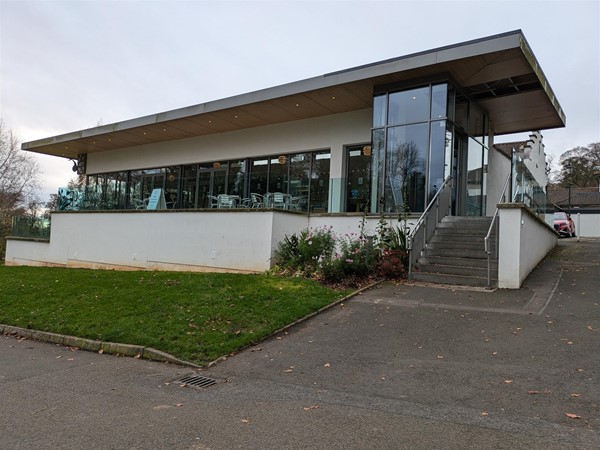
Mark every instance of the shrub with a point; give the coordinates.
(304, 252)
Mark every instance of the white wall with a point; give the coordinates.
(220, 240)
(524, 240)
(216, 240)
(587, 225)
(327, 132)
(499, 167)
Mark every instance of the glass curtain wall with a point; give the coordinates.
(414, 151)
(358, 168)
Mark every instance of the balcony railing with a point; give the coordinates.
(30, 227)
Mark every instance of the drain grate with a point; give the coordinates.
(196, 381)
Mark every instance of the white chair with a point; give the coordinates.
(225, 201)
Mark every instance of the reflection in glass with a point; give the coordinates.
(357, 184)
(439, 96)
(278, 174)
(409, 106)
(379, 102)
(437, 157)
(405, 168)
(319, 183)
(474, 178)
(377, 167)
(259, 173)
(300, 168)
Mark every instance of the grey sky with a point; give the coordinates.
(65, 65)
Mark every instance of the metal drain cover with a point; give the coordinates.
(196, 381)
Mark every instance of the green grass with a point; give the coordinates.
(196, 317)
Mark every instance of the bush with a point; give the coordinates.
(304, 252)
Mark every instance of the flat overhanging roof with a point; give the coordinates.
(500, 72)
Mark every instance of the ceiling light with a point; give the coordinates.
(297, 105)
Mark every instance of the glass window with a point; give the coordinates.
(474, 178)
(358, 166)
(405, 168)
(172, 187)
(409, 106)
(278, 174)
(461, 111)
(319, 182)
(476, 123)
(377, 169)
(237, 178)
(259, 173)
(379, 102)
(189, 192)
(439, 97)
(300, 170)
(437, 157)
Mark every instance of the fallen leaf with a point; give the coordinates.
(572, 416)
(575, 394)
(58, 357)
(508, 381)
(533, 392)
(278, 338)
(326, 365)
(138, 356)
(179, 405)
(494, 353)
(579, 370)
(308, 408)
(101, 351)
(245, 421)
(288, 370)
(485, 413)
(589, 327)
(440, 356)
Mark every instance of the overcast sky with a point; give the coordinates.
(66, 65)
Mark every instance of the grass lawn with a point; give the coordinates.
(196, 317)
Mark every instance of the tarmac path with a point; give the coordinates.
(400, 366)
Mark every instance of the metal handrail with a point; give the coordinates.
(486, 240)
(423, 219)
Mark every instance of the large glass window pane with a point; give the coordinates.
(204, 187)
(300, 172)
(237, 178)
(319, 182)
(409, 106)
(172, 187)
(358, 178)
(439, 97)
(189, 193)
(377, 171)
(278, 174)
(437, 157)
(259, 173)
(379, 103)
(114, 190)
(474, 179)
(405, 168)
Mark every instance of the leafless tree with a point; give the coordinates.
(19, 183)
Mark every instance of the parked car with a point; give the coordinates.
(563, 224)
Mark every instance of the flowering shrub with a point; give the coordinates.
(351, 258)
(304, 252)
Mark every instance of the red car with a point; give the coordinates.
(563, 224)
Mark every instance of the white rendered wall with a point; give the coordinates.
(327, 132)
(587, 225)
(524, 240)
(499, 167)
(220, 240)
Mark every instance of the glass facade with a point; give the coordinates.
(302, 179)
(415, 148)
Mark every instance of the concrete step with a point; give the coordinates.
(456, 270)
(465, 262)
(455, 253)
(451, 228)
(455, 237)
(444, 244)
(450, 279)
(469, 219)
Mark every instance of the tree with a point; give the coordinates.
(19, 183)
(585, 163)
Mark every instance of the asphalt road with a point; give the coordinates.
(397, 367)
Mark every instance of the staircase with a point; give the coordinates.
(456, 253)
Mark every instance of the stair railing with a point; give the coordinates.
(438, 208)
(486, 240)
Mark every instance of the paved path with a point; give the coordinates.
(397, 367)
